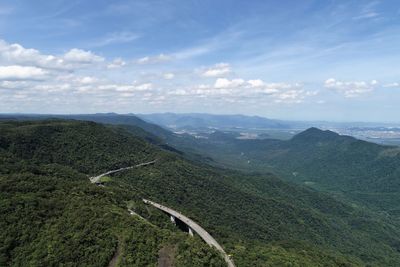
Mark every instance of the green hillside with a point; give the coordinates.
(362, 172)
(51, 213)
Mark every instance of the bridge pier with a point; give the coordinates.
(192, 227)
(190, 231)
(173, 219)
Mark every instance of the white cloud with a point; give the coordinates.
(168, 76)
(240, 90)
(144, 87)
(15, 73)
(135, 87)
(256, 87)
(221, 83)
(16, 54)
(392, 85)
(291, 96)
(80, 56)
(218, 70)
(154, 59)
(116, 64)
(256, 83)
(87, 80)
(74, 77)
(352, 88)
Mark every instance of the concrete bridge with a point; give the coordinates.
(96, 179)
(193, 227)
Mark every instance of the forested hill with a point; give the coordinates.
(51, 214)
(106, 118)
(332, 160)
(365, 172)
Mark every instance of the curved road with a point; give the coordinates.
(96, 179)
(195, 227)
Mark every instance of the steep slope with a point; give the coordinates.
(259, 219)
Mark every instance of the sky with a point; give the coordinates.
(336, 60)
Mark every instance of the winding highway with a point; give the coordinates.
(195, 227)
(96, 179)
(190, 223)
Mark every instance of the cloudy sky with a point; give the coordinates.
(299, 59)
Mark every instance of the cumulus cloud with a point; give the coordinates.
(82, 57)
(15, 73)
(16, 54)
(291, 96)
(30, 78)
(153, 59)
(143, 87)
(254, 86)
(116, 64)
(256, 83)
(240, 90)
(29, 74)
(87, 80)
(218, 70)
(351, 88)
(223, 83)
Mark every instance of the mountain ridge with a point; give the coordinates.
(204, 120)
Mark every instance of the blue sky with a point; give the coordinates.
(298, 59)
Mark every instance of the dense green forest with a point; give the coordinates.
(354, 171)
(52, 214)
(357, 172)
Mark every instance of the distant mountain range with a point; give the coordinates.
(201, 120)
(259, 127)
